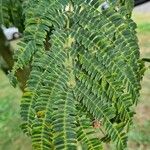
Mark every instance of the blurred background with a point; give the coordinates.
(11, 136)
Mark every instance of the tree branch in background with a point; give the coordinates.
(139, 2)
(7, 55)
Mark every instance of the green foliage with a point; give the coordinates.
(11, 13)
(140, 134)
(85, 65)
(11, 136)
(145, 27)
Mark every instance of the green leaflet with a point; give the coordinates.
(86, 133)
(81, 57)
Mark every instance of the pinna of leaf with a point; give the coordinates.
(91, 70)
